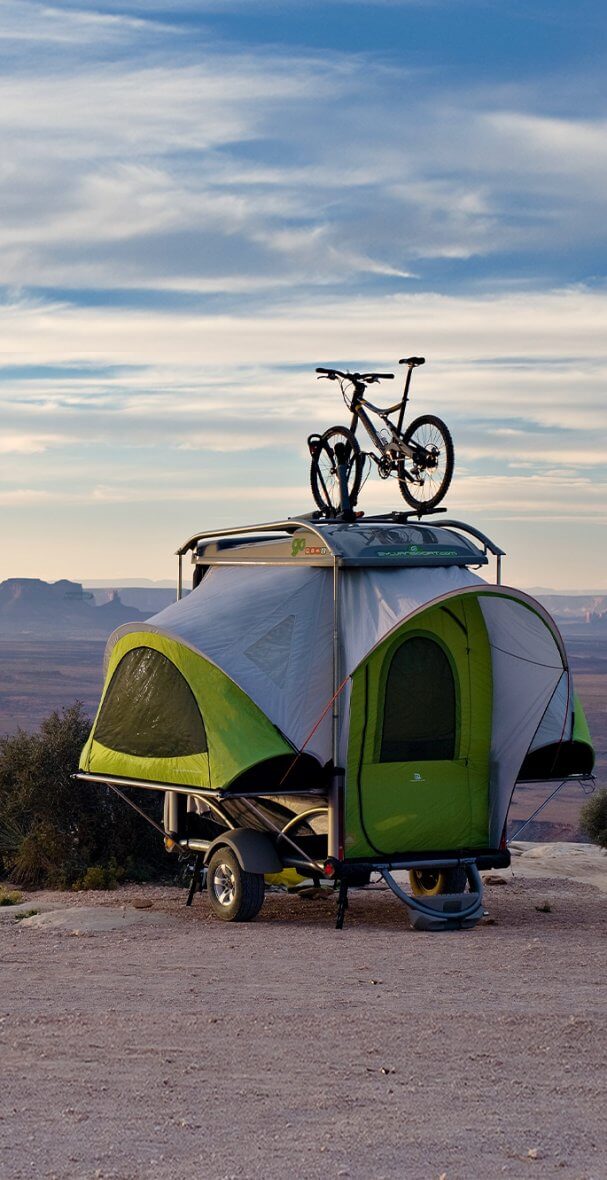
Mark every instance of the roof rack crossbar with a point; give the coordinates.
(274, 526)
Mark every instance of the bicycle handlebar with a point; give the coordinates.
(366, 377)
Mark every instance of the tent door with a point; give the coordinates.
(420, 728)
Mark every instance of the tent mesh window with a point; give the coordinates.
(149, 709)
(419, 704)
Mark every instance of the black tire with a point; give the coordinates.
(324, 479)
(430, 882)
(234, 895)
(432, 481)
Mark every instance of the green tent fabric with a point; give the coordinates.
(452, 690)
(171, 716)
(433, 793)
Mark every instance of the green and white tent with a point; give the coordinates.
(370, 644)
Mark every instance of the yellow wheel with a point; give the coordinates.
(429, 882)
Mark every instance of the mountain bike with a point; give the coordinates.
(421, 458)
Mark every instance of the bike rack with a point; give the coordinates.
(489, 546)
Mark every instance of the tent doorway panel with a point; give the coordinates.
(420, 735)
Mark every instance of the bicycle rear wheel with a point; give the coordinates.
(426, 477)
(324, 474)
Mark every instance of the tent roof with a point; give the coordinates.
(393, 540)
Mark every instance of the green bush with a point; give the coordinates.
(10, 897)
(97, 877)
(593, 818)
(54, 829)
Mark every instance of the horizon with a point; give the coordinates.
(134, 583)
(205, 201)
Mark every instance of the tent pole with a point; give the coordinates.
(335, 790)
(180, 577)
(498, 562)
(541, 807)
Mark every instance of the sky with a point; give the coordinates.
(202, 201)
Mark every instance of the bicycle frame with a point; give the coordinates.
(358, 413)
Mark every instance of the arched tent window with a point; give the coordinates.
(419, 720)
(149, 710)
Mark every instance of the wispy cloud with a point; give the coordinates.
(28, 444)
(192, 222)
(229, 170)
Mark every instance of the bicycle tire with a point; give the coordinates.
(324, 479)
(433, 434)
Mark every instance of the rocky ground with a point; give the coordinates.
(140, 1039)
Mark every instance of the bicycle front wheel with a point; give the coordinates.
(337, 445)
(425, 479)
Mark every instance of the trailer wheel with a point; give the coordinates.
(234, 895)
(429, 882)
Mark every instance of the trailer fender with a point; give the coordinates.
(254, 850)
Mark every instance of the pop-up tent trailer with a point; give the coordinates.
(340, 698)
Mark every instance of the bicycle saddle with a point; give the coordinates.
(413, 361)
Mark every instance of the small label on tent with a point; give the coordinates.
(300, 549)
(418, 551)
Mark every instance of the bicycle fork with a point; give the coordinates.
(341, 455)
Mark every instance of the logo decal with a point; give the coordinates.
(298, 546)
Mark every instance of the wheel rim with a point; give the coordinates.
(329, 477)
(426, 881)
(224, 884)
(429, 476)
(326, 484)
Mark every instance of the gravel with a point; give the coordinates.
(193, 1048)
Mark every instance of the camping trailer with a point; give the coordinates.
(337, 698)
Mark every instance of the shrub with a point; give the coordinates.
(593, 818)
(53, 828)
(10, 897)
(97, 877)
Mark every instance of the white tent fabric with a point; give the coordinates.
(373, 601)
(527, 666)
(271, 630)
(557, 722)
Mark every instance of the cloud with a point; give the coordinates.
(32, 23)
(24, 444)
(191, 225)
(17, 497)
(224, 170)
(170, 403)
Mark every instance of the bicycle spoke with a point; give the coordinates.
(323, 484)
(325, 469)
(430, 468)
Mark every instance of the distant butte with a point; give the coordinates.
(30, 606)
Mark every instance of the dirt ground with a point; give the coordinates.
(182, 1047)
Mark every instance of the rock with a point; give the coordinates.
(494, 879)
(81, 920)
